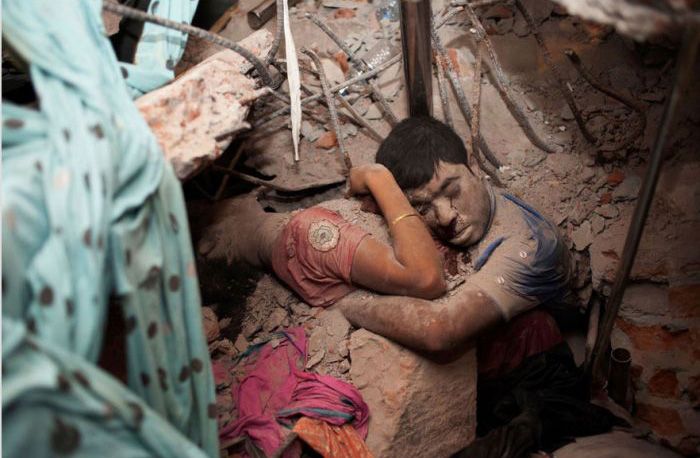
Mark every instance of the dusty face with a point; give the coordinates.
(454, 204)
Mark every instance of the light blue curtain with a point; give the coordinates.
(159, 49)
(91, 210)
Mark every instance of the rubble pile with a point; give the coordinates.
(589, 190)
(397, 384)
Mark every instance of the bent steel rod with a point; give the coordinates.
(684, 74)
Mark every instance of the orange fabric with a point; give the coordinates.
(331, 441)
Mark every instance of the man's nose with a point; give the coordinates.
(444, 213)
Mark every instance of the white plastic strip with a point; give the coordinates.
(293, 79)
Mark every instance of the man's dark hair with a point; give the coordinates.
(415, 146)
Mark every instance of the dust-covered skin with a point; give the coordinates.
(410, 264)
(438, 326)
(242, 231)
(454, 204)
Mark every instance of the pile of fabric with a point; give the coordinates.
(274, 398)
(91, 210)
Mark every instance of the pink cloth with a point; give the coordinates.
(314, 253)
(274, 390)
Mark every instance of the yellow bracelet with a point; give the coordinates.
(400, 217)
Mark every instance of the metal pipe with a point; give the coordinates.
(417, 55)
(263, 12)
(619, 378)
(684, 74)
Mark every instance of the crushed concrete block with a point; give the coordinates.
(417, 407)
(310, 132)
(566, 114)
(608, 211)
(277, 319)
(349, 130)
(628, 189)
(211, 324)
(597, 224)
(562, 164)
(214, 97)
(241, 343)
(334, 73)
(373, 112)
(587, 174)
(582, 236)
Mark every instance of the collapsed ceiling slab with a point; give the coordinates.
(639, 19)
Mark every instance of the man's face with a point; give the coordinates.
(454, 204)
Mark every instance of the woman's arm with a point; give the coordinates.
(413, 267)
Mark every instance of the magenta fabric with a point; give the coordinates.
(274, 390)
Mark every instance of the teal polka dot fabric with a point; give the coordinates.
(92, 211)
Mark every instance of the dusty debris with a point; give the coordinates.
(211, 324)
(582, 236)
(628, 189)
(608, 211)
(327, 141)
(189, 115)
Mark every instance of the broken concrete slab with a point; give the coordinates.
(418, 407)
(608, 211)
(628, 189)
(189, 115)
(582, 236)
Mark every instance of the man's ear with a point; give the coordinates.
(368, 204)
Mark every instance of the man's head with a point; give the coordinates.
(429, 162)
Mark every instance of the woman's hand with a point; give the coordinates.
(361, 177)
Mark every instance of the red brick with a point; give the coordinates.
(693, 390)
(684, 300)
(664, 384)
(656, 338)
(636, 371)
(616, 177)
(344, 13)
(342, 60)
(327, 140)
(664, 421)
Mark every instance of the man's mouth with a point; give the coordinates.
(461, 236)
(448, 232)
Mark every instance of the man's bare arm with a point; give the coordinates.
(432, 326)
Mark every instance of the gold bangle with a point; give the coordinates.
(400, 217)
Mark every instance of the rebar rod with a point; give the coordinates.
(334, 89)
(684, 75)
(476, 100)
(622, 98)
(139, 15)
(416, 17)
(444, 96)
(502, 85)
(480, 3)
(360, 120)
(556, 72)
(359, 64)
(461, 97)
(279, 33)
(330, 101)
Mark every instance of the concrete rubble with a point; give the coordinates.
(590, 193)
(398, 385)
(189, 115)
